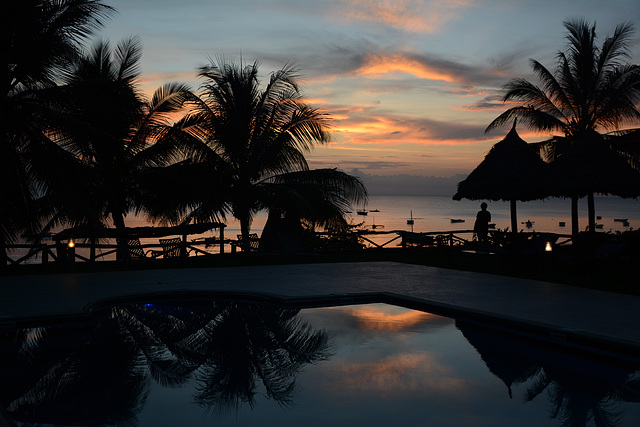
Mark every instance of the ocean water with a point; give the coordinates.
(388, 213)
(434, 213)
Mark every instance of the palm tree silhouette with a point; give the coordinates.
(107, 134)
(591, 88)
(252, 140)
(39, 38)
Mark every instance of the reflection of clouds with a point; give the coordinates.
(397, 374)
(375, 317)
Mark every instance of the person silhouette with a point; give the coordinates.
(481, 227)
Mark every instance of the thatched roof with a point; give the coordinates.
(591, 166)
(510, 171)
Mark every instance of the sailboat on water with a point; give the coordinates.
(410, 220)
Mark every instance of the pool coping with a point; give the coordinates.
(551, 312)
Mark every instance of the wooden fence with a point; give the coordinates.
(93, 250)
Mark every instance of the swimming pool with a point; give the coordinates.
(225, 362)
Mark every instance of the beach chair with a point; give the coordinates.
(172, 248)
(135, 249)
(254, 242)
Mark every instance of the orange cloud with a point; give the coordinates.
(377, 125)
(352, 129)
(378, 64)
(410, 15)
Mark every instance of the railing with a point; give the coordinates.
(63, 253)
(408, 238)
(92, 252)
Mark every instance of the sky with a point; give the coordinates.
(410, 86)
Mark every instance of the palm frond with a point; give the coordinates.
(127, 59)
(535, 118)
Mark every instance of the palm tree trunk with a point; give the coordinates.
(245, 228)
(574, 216)
(3, 254)
(122, 251)
(592, 213)
(514, 216)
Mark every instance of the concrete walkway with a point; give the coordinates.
(615, 317)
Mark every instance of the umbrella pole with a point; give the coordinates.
(592, 213)
(574, 215)
(514, 216)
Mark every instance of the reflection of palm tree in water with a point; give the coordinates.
(104, 377)
(247, 344)
(577, 399)
(579, 390)
(73, 379)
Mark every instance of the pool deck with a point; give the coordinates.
(614, 317)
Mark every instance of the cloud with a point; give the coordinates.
(407, 15)
(489, 102)
(375, 65)
(367, 124)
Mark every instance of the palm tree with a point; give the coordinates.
(106, 135)
(39, 38)
(252, 139)
(591, 88)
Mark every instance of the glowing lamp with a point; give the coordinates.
(71, 243)
(548, 247)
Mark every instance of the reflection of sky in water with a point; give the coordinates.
(390, 366)
(387, 366)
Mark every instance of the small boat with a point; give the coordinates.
(374, 210)
(455, 220)
(621, 219)
(528, 223)
(599, 225)
(562, 224)
(410, 220)
(362, 212)
(598, 217)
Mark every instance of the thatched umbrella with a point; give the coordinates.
(591, 166)
(510, 171)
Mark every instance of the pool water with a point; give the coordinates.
(243, 364)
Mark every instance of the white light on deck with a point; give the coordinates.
(71, 243)
(548, 247)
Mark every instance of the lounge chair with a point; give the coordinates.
(254, 242)
(172, 248)
(135, 249)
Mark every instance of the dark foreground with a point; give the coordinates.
(617, 272)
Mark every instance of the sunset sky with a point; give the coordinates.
(410, 85)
